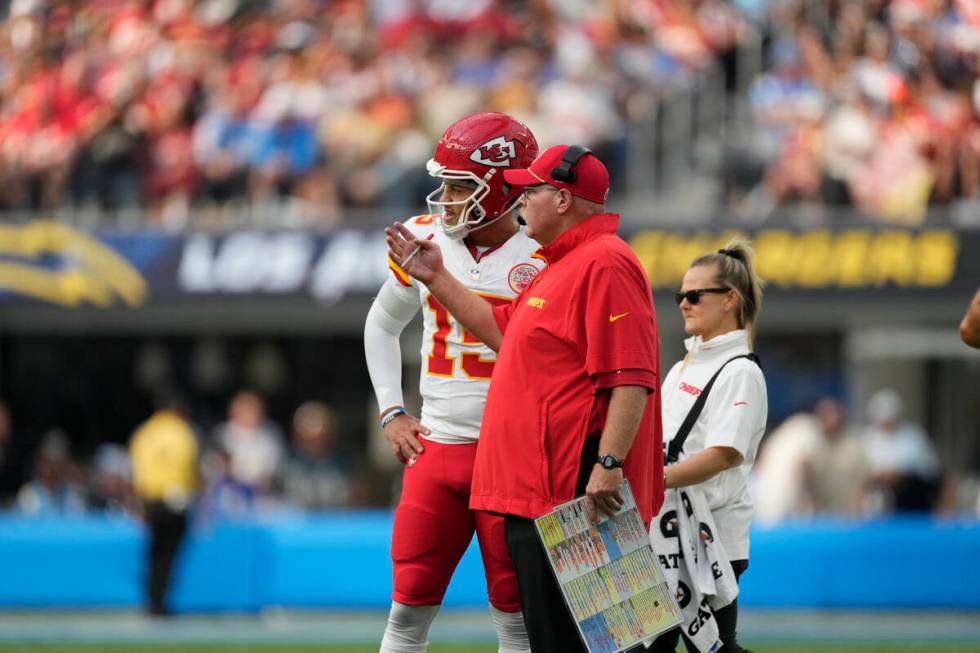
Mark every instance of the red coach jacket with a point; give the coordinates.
(587, 315)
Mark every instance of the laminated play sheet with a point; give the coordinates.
(609, 575)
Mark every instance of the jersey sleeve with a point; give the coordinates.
(390, 313)
(736, 408)
(610, 380)
(620, 331)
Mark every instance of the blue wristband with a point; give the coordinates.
(386, 420)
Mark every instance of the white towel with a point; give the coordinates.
(695, 566)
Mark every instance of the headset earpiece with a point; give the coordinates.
(565, 172)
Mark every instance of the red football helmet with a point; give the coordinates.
(476, 150)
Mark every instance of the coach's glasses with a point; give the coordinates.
(530, 191)
(694, 296)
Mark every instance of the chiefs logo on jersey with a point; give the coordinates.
(521, 276)
(496, 152)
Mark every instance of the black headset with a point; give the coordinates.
(565, 171)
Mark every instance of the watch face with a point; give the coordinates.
(610, 462)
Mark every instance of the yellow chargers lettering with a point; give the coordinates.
(851, 258)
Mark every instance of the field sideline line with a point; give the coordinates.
(295, 627)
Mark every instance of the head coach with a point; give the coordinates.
(571, 407)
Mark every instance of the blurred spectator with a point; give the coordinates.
(812, 463)
(254, 444)
(224, 497)
(779, 487)
(787, 106)
(849, 140)
(838, 472)
(54, 490)
(903, 463)
(317, 475)
(164, 455)
(221, 140)
(111, 486)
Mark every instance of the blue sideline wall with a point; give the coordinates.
(340, 560)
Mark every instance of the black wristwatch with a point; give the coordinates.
(609, 461)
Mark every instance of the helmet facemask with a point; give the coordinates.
(471, 213)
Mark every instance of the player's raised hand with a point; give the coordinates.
(402, 436)
(418, 257)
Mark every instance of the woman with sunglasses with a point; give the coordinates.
(720, 299)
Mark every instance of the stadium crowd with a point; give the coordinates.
(312, 107)
(873, 105)
(305, 109)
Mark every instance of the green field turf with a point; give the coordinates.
(450, 648)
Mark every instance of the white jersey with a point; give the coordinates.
(456, 367)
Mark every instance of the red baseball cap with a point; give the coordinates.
(588, 178)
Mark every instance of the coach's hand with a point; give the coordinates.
(402, 436)
(604, 492)
(418, 257)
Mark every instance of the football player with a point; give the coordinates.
(472, 218)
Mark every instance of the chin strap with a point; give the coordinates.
(483, 224)
(502, 214)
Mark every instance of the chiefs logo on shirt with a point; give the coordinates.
(496, 152)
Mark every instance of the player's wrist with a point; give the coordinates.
(437, 282)
(391, 415)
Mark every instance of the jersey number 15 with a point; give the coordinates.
(440, 362)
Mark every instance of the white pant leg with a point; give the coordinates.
(408, 628)
(511, 631)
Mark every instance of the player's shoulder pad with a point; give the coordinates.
(421, 226)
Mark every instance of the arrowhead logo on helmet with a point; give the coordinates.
(496, 152)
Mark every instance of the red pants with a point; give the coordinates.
(434, 526)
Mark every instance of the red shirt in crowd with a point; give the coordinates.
(583, 326)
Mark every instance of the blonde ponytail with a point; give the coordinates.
(735, 263)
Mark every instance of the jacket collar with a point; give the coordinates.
(573, 237)
(728, 344)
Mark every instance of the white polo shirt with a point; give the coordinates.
(733, 416)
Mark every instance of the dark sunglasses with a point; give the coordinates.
(694, 296)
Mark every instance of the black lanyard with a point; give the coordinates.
(677, 443)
